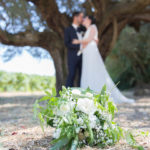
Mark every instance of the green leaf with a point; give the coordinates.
(111, 109)
(41, 121)
(88, 90)
(145, 133)
(131, 141)
(48, 93)
(91, 134)
(44, 98)
(64, 88)
(54, 93)
(60, 143)
(35, 108)
(140, 148)
(103, 91)
(74, 144)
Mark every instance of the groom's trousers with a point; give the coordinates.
(74, 67)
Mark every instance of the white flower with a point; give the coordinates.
(105, 126)
(100, 111)
(98, 128)
(55, 122)
(65, 119)
(72, 104)
(110, 117)
(80, 121)
(89, 94)
(109, 141)
(76, 92)
(92, 119)
(56, 134)
(65, 108)
(86, 105)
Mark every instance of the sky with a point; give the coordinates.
(25, 63)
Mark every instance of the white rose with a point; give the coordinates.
(63, 110)
(76, 92)
(86, 105)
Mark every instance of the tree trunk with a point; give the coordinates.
(60, 63)
(109, 36)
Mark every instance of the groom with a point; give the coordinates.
(74, 61)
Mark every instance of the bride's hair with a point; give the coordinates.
(93, 20)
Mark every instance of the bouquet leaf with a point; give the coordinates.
(74, 143)
(60, 143)
(132, 142)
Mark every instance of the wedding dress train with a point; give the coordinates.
(94, 72)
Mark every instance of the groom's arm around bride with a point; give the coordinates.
(70, 34)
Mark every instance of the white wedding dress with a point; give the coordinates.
(94, 73)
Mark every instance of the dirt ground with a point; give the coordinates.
(19, 131)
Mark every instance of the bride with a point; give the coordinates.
(94, 73)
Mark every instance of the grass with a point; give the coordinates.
(10, 82)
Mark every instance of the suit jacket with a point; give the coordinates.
(70, 34)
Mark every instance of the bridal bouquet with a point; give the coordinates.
(80, 117)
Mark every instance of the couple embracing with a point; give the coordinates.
(84, 57)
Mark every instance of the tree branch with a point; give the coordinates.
(142, 17)
(26, 38)
(50, 12)
(107, 36)
(115, 34)
(121, 10)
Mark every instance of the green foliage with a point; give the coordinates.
(23, 82)
(129, 61)
(60, 143)
(74, 122)
(132, 142)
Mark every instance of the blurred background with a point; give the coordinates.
(33, 56)
(128, 63)
(25, 73)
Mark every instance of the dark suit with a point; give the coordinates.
(74, 61)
